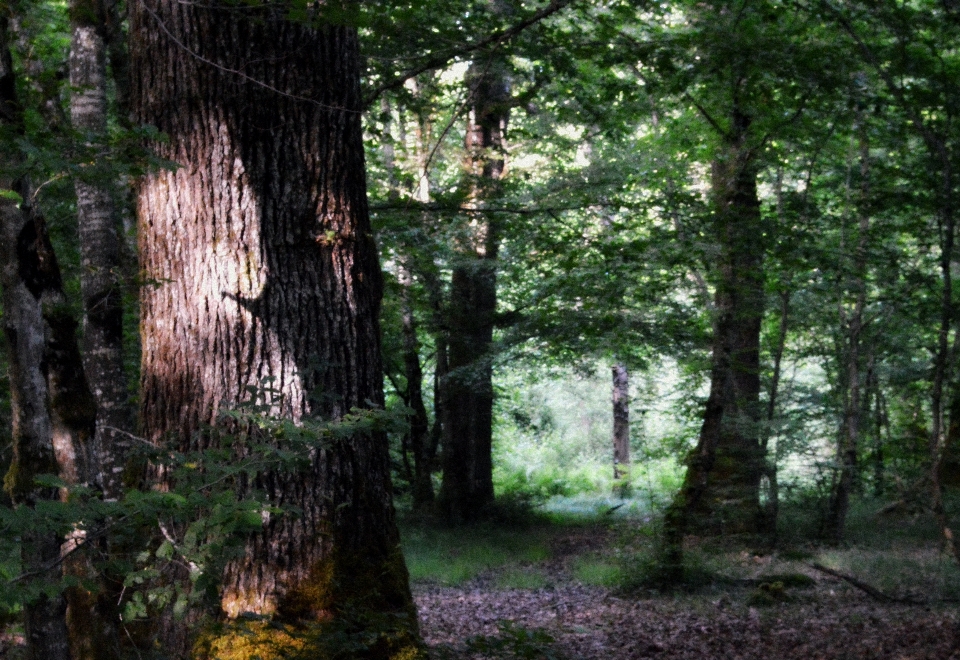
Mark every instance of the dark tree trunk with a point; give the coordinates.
(721, 489)
(621, 429)
(938, 446)
(53, 412)
(418, 436)
(467, 487)
(113, 33)
(263, 266)
(772, 508)
(33, 428)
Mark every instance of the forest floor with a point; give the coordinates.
(566, 612)
(573, 591)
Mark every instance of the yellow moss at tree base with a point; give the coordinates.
(351, 606)
(270, 640)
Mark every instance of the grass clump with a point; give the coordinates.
(454, 556)
(522, 577)
(598, 572)
(647, 571)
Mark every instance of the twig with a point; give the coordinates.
(419, 207)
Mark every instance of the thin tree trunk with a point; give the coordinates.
(940, 448)
(467, 487)
(770, 470)
(419, 423)
(264, 267)
(621, 428)
(417, 438)
(879, 458)
(847, 450)
(100, 251)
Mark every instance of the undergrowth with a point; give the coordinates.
(453, 556)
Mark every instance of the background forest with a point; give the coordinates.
(677, 271)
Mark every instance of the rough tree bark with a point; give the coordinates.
(261, 265)
(93, 619)
(32, 432)
(99, 247)
(621, 428)
(467, 487)
(720, 493)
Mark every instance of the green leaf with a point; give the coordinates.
(11, 195)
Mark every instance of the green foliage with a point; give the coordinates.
(194, 527)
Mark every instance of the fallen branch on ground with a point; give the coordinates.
(873, 592)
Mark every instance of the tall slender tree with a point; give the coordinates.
(621, 427)
(100, 244)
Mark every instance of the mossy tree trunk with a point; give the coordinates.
(263, 269)
(467, 487)
(721, 490)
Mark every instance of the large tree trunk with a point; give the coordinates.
(721, 489)
(621, 428)
(467, 487)
(262, 265)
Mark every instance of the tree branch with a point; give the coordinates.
(438, 61)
